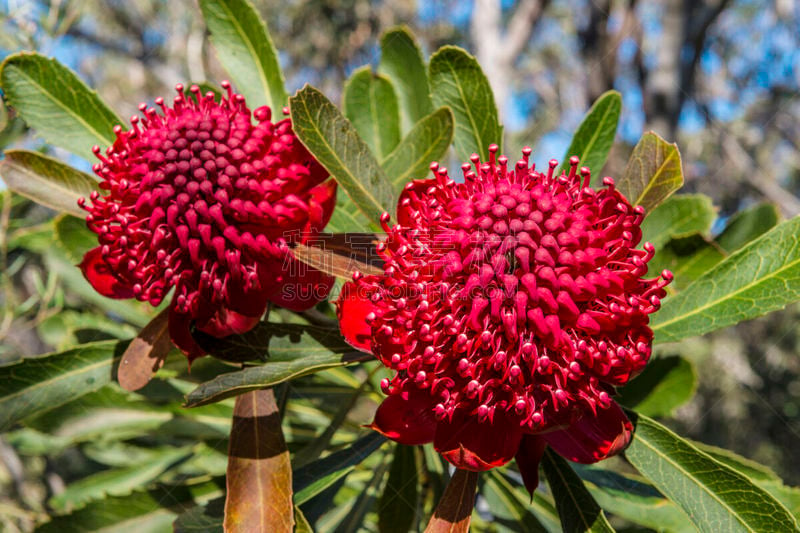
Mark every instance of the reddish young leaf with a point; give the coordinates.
(453, 513)
(259, 477)
(341, 254)
(145, 354)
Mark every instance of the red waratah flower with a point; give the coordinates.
(201, 200)
(510, 307)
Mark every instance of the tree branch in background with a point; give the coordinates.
(496, 52)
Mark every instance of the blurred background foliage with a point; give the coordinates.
(719, 77)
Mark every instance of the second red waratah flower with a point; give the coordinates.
(510, 307)
(201, 200)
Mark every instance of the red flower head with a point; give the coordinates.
(200, 199)
(510, 307)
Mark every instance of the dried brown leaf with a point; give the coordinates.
(341, 254)
(259, 477)
(145, 354)
(453, 513)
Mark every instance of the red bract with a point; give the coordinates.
(201, 200)
(510, 307)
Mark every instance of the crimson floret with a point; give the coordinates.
(201, 200)
(510, 307)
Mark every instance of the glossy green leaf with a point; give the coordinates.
(369, 102)
(142, 511)
(3, 115)
(114, 453)
(315, 448)
(37, 384)
(747, 225)
(402, 62)
(678, 216)
(246, 51)
(653, 172)
(346, 217)
(107, 413)
(632, 498)
(594, 137)
(688, 258)
(74, 237)
(509, 508)
(427, 142)
(290, 351)
(313, 478)
(301, 522)
(760, 277)
(203, 518)
(57, 104)
(46, 181)
(576, 507)
(82, 423)
(357, 510)
(333, 140)
(116, 481)
(665, 384)
(458, 82)
(755, 471)
(715, 497)
(761, 475)
(398, 504)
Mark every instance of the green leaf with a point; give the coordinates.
(346, 217)
(3, 115)
(108, 413)
(333, 140)
(301, 522)
(428, 141)
(57, 104)
(74, 237)
(313, 478)
(715, 497)
(204, 518)
(116, 481)
(665, 384)
(402, 62)
(370, 104)
(46, 180)
(315, 448)
(37, 384)
(150, 511)
(632, 498)
(592, 142)
(362, 505)
(576, 507)
(457, 81)
(761, 475)
(762, 276)
(688, 258)
(653, 172)
(291, 351)
(755, 471)
(398, 503)
(746, 225)
(509, 508)
(246, 51)
(679, 216)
